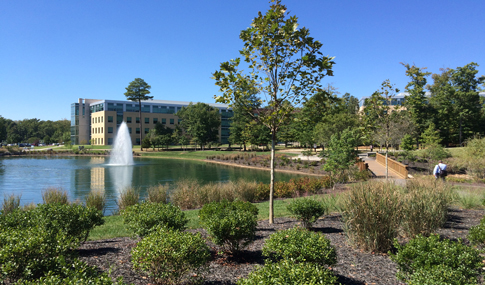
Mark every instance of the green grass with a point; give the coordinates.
(113, 227)
(198, 155)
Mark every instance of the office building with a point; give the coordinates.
(97, 121)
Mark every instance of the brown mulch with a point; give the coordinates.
(353, 267)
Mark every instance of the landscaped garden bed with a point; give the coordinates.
(353, 265)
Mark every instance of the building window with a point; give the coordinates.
(128, 120)
(110, 141)
(110, 130)
(155, 120)
(137, 141)
(137, 130)
(147, 120)
(101, 140)
(164, 121)
(137, 120)
(102, 119)
(101, 129)
(110, 119)
(147, 130)
(179, 120)
(129, 130)
(172, 121)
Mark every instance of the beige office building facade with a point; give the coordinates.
(97, 121)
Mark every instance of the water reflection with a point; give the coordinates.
(121, 177)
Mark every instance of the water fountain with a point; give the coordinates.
(122, 152)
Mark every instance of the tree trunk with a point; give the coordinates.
(141, 128)
(271, 185)
(460, 128)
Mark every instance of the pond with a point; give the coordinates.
(30, 176)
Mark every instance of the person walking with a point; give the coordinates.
(440, 171)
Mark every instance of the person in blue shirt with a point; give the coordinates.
(439, 170)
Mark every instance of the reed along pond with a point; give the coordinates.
(30, 176)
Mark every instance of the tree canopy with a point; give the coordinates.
(137, 91)
(201, 122)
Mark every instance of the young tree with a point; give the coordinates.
(286, 65)
(416, 102)
(137, 91)
(201, 122)
(341, 152)
(378, 113)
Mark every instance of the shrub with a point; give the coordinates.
(283, 190)
(262, 192)
(439, 275)
(231, 225)
(166, 255)
(128, 197)
(96, 200)
(30, 252)
(72, 273)
(142, 218)
(432, 256)
(300, 245)
(157, 194)
(477, 233)
(247, 190)
(10, 203)
(306, 210)
(54, 195)
(425, 206)
(286, 272)
(372, 215)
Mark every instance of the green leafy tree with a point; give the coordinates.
(3, 129)
(431, 136)
(137, 91)
(66, 138)
(201, 122)
(341, 152)
(407, 142)
(241, 120)
(286, 65)
(416, 102)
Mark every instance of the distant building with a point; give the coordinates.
(98, 120)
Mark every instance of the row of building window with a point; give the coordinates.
(100, 130)
(99, 120)
(98, 141)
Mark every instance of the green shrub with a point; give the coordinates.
(10, 203)
(477, 233)
(432, 256)
(97, 200)
(167, 255)
(157, 193)
(300, 245)
(439, 275)
(73, 273)
(306, 210)
(54, 195)
(142, 218)
(286, 272)
(372, 215)
(30, 252)
(230, 224)
(128, 197)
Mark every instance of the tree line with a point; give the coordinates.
(34, 131)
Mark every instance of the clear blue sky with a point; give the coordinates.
(54, 52)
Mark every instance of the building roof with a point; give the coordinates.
(161, 102)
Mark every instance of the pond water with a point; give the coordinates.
(30, 176)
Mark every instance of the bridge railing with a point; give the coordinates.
(399, 168)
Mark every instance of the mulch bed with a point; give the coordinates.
(353, 267)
